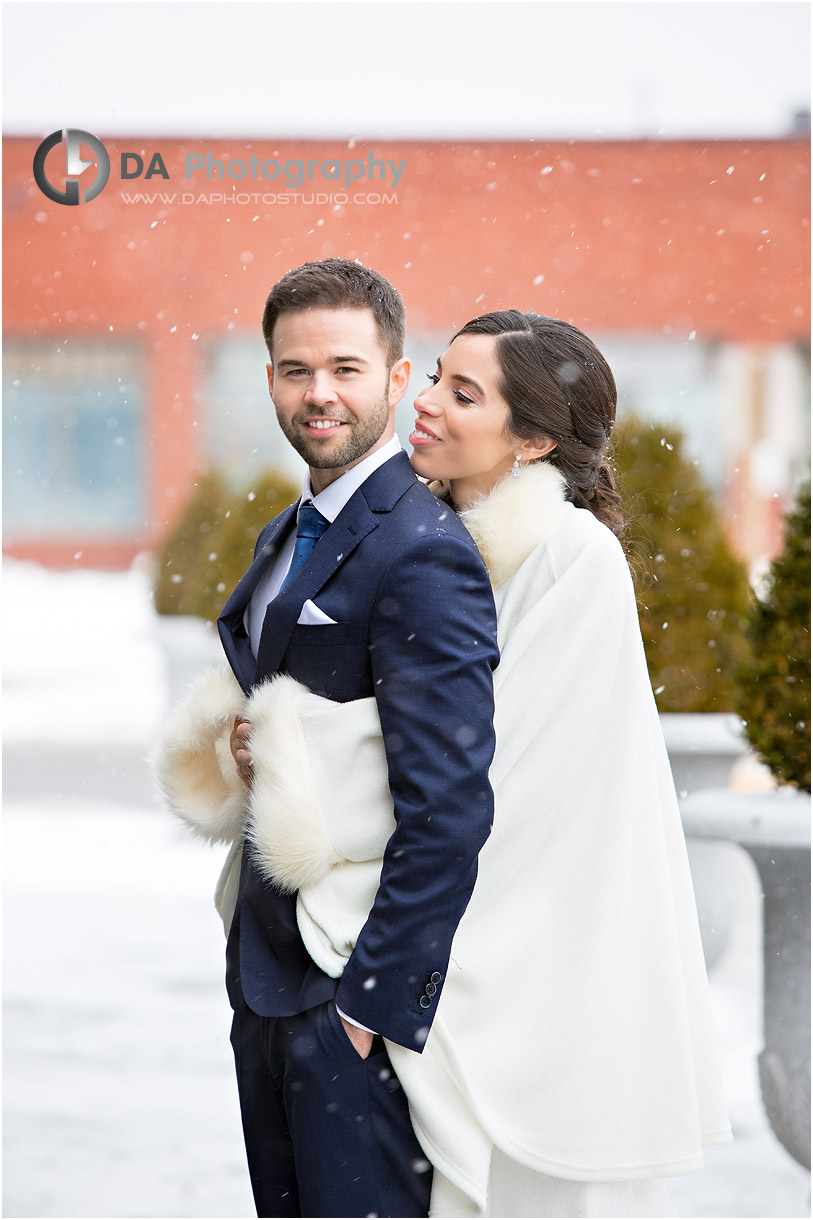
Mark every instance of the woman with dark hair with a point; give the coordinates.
(576, 1031)
(570, 1064)
(551, 379)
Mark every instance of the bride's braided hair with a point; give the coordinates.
(557, 383)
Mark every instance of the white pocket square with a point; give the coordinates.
(311, 616)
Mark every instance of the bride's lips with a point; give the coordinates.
(421, 436)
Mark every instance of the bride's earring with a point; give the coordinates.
(515, 469)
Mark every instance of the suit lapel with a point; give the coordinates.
(230, 621)
(359, 517)
(377, 495)
(337, 543)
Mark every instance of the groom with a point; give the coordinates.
(369, 585)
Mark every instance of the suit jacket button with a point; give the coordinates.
(436, 978)
(425, 1001)
(430, 988)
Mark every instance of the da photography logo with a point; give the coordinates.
(74, 166)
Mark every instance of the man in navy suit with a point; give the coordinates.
(369, 585)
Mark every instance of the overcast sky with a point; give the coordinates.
(396, 69)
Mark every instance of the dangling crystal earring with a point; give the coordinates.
(515, 469)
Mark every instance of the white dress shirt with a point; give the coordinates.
(330, 503)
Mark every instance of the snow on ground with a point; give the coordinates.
(81, 660)
(118, 1090)
(119, 1098)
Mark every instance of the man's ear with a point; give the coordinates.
(537, 447)
(399, 380)
(269, 368)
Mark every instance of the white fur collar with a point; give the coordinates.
(516, 517)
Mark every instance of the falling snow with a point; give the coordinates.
(113, 956)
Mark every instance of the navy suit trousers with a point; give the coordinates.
(327, 1133)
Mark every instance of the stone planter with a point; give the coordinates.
(774, 828)
(703, 748)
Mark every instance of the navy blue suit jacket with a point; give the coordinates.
(415, 626)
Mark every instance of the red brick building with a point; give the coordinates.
(131, 322)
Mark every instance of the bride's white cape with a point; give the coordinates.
(573, 1031)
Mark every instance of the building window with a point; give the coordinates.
(241, 435)
(672, 383)
(73, 439)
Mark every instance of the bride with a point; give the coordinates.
(570, 1065)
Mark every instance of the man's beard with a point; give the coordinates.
(361, 436)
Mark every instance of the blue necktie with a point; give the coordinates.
(309, 529)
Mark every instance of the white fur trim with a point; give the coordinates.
(516, 517)
(290, 840)
(192, 762)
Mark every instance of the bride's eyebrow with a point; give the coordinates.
(464, 379)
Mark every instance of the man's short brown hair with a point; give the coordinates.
(339, 283)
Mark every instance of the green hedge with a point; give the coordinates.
(773, 683)
(212, 544)
(692, 591)
(686, 575)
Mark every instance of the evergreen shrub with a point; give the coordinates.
(773, 682)
(692, 590)
(212, 544)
